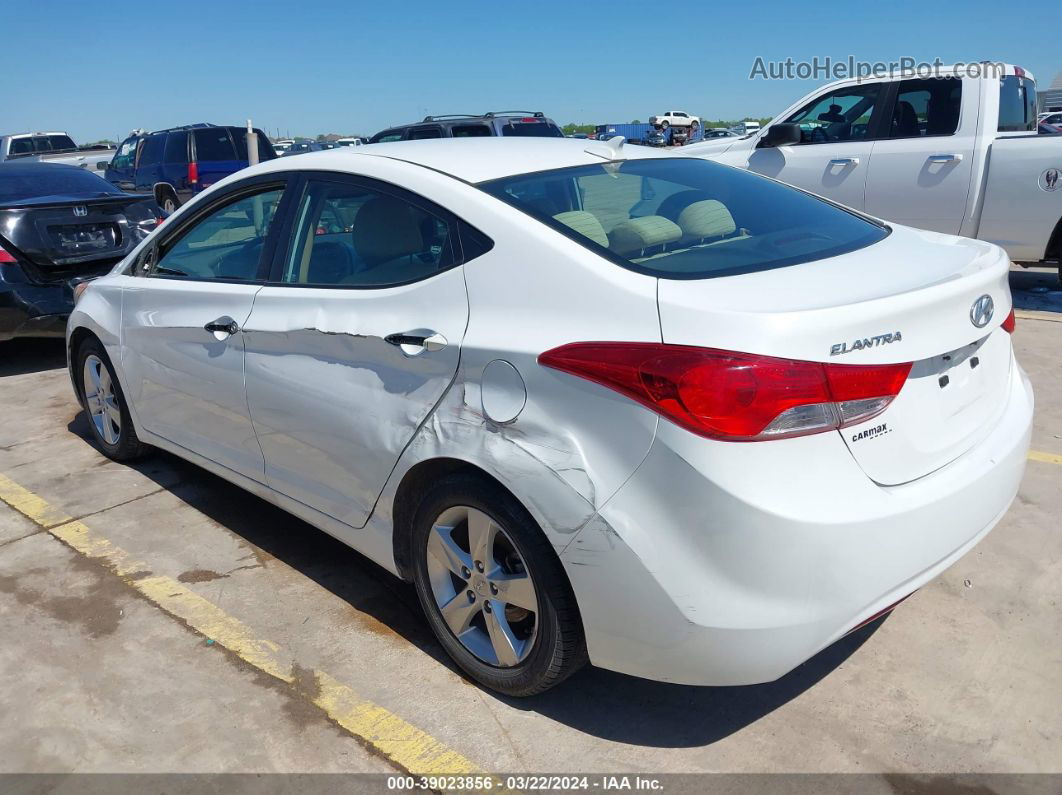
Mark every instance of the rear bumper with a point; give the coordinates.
(32, 310)
(722, 564)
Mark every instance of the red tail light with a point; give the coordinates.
(193, 172)
(5, 256)
(734, 396)
(1010, 322)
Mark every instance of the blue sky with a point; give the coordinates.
(99, 70)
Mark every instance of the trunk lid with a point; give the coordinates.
(58, 234)
(907, 298)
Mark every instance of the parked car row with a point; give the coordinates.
(515, 123)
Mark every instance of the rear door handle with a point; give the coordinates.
(223, 325)
(953, 158)
(845, 161)
(431, 342)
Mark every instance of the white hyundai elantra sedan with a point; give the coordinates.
(595, 402)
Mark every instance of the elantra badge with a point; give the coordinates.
(866, 342)
(981, 311)
(80, 210)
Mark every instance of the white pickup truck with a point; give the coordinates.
(950, 153)
(52, 147)
(675, 118)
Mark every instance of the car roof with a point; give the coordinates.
(479, 159)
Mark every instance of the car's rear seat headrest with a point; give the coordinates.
(708, 218)
(385, 229)
(638, 234)
(585, 224)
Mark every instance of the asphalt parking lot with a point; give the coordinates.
(158, 619)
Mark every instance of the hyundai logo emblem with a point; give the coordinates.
(80, 210)
(981, 311)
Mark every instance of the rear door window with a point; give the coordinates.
(152, 151)
(926, 107)
(355, 235)
(213, 143)
(422, 133)
(176, 147)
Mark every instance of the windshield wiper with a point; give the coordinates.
(170, 271)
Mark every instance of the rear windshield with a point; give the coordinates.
(57, 143)
(532, 129)
(686, 218)
(1017, 104)
(52, 181)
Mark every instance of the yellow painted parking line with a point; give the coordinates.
(1052, 317)
(408, 747)
(1047, 458)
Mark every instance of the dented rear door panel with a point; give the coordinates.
(334, 404)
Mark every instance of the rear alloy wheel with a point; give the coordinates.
(105, 405)
(664, 125)
(493, 589)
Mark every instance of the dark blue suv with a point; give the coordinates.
(173, 165)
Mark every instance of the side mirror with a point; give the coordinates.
(783, 134)
(101, 165)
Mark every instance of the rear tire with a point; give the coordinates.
(518, 626)
(168, 201)
(104, 404)
(664, 125)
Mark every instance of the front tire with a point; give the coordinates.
(105, 406)
(493, 590)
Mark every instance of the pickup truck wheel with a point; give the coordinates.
(664, 125)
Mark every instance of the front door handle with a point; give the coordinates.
(954, 158)
(223, 325)
(431, 342)
(845, 161)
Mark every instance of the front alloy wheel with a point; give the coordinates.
(101, 401)
(104, 403)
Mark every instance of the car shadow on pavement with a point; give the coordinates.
(273, 533)
(626, 709)
(22, 356)
(601, 703)
(1036, 289)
